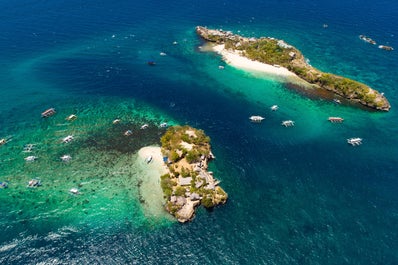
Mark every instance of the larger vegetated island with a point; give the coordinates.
(188, 183)
(278, 53)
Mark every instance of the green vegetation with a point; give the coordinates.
(166, 184)
(267, 51)
(186, 148)
(276, 52)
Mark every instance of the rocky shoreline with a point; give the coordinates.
(188, 182)
(277, 53)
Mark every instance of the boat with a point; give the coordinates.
(288, 123)
(3, 141)
(151, 63)
(28, 148)
(48, 113)
(162, 54)
(67, 139)
(148, 159)
(145, 126)
(66, 158)
(387, 48)
(30, 158)
(221, 67)
(163, 125)
(128, 133)
(274, 107)
(256, 118)
(354, 141)
(367, 39)
(71, 117)
(34, 183)
(337, 101)
(116, 121)
(3, 185)
(335, 119)
(74, 191)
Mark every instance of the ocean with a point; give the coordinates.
(297, 195)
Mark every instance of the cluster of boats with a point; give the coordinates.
(29, 148)
(371, 41)
(289, 123)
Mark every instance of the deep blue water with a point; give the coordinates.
(298, 195)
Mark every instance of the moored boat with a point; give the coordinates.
(367, 39)
(148, 159)
(335, 119)
(71, 117)
(256, 118)
(354, 141)
(34, 183)
(30, 158)
(274, 107)
(74, 191)
(68, 139)
(387, 48)
(288, 123)
(48, 113)
(66, 158)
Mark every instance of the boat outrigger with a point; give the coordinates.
(288, 123)
(48, 113)
(335, 119)
(256, 118)
(354, 141)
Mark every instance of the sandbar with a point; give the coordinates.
(150, 190)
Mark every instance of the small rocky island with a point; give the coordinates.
(278, 53)
(188, 183)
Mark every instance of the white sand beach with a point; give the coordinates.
(150, 189)
(238, 61)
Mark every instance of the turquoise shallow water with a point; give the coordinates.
(298, 195)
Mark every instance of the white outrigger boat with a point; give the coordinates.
(288, 123)
(256, 118)
(30, 158)
(354, 141)
(274, 107)
(145, 126)
(66, 158)
(68, 139)
(163, 125)
(335, 119)
(48, 113)
(74, 191)
(148, 159)
(71, 117)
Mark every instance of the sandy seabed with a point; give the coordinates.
(150, 189)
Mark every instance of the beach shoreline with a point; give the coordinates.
(150, 190)
(233, 58)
